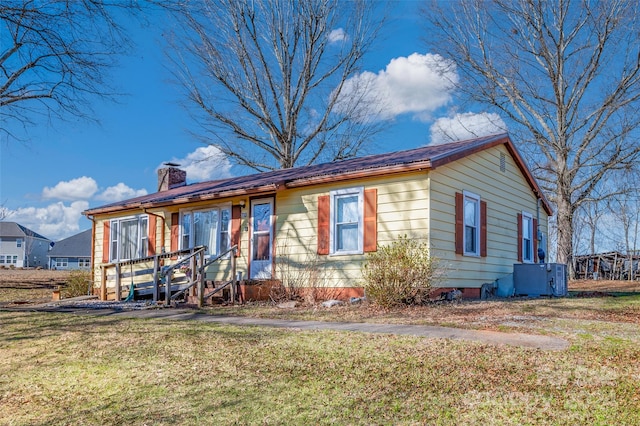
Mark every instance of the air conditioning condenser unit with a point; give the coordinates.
(540, 279)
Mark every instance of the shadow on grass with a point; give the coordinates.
(29, 325)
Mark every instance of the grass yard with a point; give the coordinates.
(72, 369)
(60, 369)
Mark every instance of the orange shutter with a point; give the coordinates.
(483, 228)
(459, 233)
(370, 220)
(175, 231)
(106, 240)
(535, 240)
(151, 249)
(323, 224)
(236, 222)
(519, 237)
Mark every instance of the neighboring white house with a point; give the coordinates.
(21, 247)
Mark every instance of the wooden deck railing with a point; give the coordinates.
(174, 272)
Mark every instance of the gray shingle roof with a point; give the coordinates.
(15, 230)
(78, 245)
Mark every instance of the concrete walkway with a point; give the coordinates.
(427, 331)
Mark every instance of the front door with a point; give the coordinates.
(261, 238)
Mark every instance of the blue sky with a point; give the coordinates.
(63, 168)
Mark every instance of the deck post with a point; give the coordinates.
(103, 284)
(200, 278)
(156, 284)
(192, 274)
(118, 283)
(167, 294)
(234, 283)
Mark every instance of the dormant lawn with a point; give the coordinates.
(73, 369)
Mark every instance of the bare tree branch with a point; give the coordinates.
(54, 57)
(566, 75)
(265, 77)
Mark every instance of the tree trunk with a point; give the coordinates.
(565, 231)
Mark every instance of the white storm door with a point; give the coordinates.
(261, 238)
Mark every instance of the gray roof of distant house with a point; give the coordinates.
(78, 245)
(15, 230)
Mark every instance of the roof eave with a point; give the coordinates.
(501, 139)
(360, 174)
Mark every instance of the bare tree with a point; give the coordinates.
(53, 57)
(625, 213)
(266, 78)
(566, 76)
(589, 215)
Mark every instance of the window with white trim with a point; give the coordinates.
(210, 228)
(19, 242)
(84, 263)
(346, 221)
(62, 262)
(527, 237)
(471, 236)
(129, 237)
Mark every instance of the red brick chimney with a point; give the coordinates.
(171, 177)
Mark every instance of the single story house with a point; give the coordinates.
(20, 247)
(474, 202)
(73, 252)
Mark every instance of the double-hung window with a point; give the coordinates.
(471, 224)
(129, 238)
(208, 228)
(347, 215)
(527, 237)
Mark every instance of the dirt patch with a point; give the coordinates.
(32, 278)
(29, 286)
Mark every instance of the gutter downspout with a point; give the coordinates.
(162, 246)
(538, 233)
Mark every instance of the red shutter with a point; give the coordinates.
(323, 224)
(459, 223)
(151, 250)
(370, 220)
(535, 240)
(106, 240)
(519, 237)
(483, 228)
(236, 222)
(175, 231)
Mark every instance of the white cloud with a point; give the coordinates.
(417, 84)
(337, 35)
(466, 126)
(81, 188)
(120, 192)
(205, 163)
(55, 221)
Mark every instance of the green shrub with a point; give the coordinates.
(402, 272)
(77, 284)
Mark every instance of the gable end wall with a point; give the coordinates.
(506, 193)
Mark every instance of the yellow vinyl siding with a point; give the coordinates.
(402, 209)
(506, 194)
